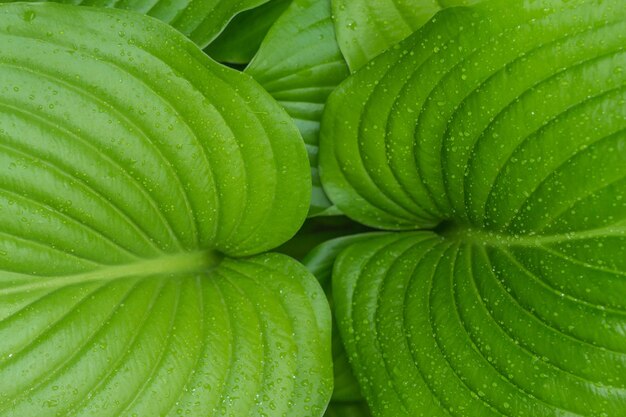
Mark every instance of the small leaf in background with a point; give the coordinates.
(347, 399)
(503, 123)
(366, 28)
(339, 409)
(199, 20)
(320, 262)
(317, 230)
(300, 64)
(133, 171)
(241, 39)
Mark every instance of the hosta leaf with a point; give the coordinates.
(410, 140)
(321, 259)
(366, 28)
(486, 326)
(166, 337)
(200, 20)
(241, 39)
(507, 122)
(320, 262)
(300, 64)
(317, 230)
(129, 166)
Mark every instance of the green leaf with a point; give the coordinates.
(320, 262)
(300, 64)
(468, 326)
(366, 28)
(409, 141)
(504, 123)
(317, 230)
(200, 20)
(241, 39)
(132, 168)
(321, 259)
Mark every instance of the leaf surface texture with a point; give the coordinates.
(135, 175)
(300, 64)
(503, 124)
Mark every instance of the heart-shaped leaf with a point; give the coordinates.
(131, 168)
(366, 28)
(300, 76)
(471, 326)
(200, 20)
(506, 122)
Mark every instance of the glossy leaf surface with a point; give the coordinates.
(200, 20)
(300, 64)
(506, 122)
(320, 262)
(480, 326)
(410, 141)
(129, 167)
(366, 28)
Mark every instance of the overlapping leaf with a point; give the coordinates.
(366, 28)
(200, 20)
(129, 167)
(300, 64)
(507, 122)
(241, 39)
(320, 262)
(347, 400)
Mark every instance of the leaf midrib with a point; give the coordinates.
(492, 238)
(173, 264)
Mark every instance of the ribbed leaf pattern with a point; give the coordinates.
(200, 20)
(239, 338)
(320, 262)
(410, 141)
(478, 327)
(503, 124)
(367, 28)
(300, 64)
(131, 168)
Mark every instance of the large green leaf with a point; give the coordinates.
(482, 326)
(132, 168)
(506, 122)
(241, 39)
(300, 64)
(411, 140)
(366, 28)
(200, 20)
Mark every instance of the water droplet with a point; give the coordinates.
(29, 15)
